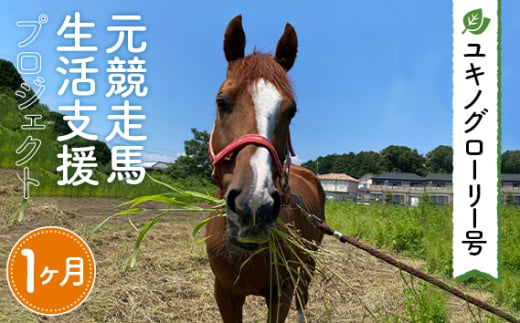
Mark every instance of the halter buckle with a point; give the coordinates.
(283, 181)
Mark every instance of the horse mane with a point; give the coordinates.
(262, 65)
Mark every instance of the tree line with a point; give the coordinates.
(400, 159)
(12, 119)
(391, 159)
(195, 161)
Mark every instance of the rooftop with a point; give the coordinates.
(335, 176)
(434, 177)
(511, 177)
(155, 165)
(439, 177)
(399, 176)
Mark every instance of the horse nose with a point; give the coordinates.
(231, 201)
(270, 211)
(254, 211)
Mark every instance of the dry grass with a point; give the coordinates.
(173, 282)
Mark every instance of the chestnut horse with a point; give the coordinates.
(249, 149)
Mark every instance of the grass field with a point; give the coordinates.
(172, 281)
(425, 233)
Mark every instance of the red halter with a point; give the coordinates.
(281, 168)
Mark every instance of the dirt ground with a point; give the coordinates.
(173, 281)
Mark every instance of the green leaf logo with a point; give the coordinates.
(475, 22)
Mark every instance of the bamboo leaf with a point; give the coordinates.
(183, 193)
(21, 211)
(132, 224)
(171, 188)
(177, 200)
(160, 198)
(130, 211)
(201, 239)
(102, 223)
(201, 224)
(144, 230)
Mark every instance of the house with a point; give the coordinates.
(155, 166)
(365, 182)
(439, 188)
(339, 186)
(511, 188)
(405, 188)
(409, 188)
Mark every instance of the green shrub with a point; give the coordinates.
(507, 292)
(425, 304)
(425, 232)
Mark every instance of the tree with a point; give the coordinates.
(195, 162)
(103, 153)
(440, 160)
(355, 165)
(511, 162)
(9, 76)
(60, 126)
(11, 79)
(403, 159)
(322, 165)
(367, 162)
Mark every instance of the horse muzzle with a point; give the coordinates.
(250, 218)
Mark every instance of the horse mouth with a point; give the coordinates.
(249, 238)
(250, 219)
(248, 246)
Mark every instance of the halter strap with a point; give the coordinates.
(281, 168)
(239, 143)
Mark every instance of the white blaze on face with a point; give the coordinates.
(266, 100)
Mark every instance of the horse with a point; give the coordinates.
(250, 150)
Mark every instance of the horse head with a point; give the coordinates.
(250, 143)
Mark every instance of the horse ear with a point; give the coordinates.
(287, 48)
(234, 40)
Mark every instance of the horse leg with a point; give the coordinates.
(229, 304)
(279, 305)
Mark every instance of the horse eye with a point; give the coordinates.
(291, 112)
(222, 104)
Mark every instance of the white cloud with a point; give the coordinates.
(296, 160)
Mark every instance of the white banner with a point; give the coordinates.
(475, 138)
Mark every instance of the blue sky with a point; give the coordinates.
(368, 74)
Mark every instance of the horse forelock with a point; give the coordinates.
(258, 65)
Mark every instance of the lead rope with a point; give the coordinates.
(319, 223)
